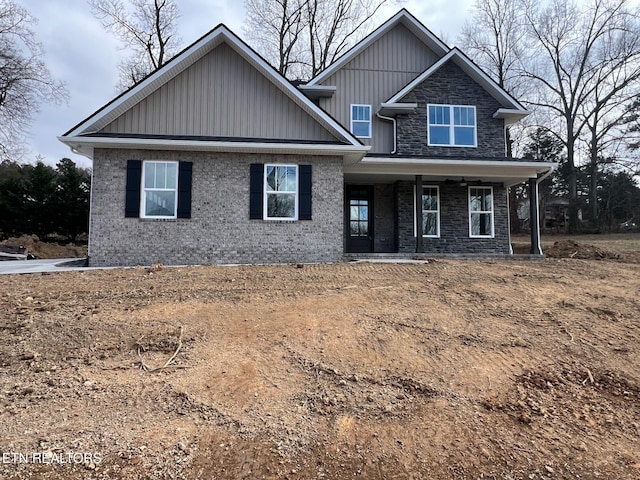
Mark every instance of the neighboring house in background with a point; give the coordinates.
(398, 147)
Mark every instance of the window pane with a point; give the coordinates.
(290, 183)
(439, 135)
(485, 224)
(361, 112)
(475, 224)
(161, 173)
(353, 214)
(361, 129)
(430, 199)
(363, 213)
(354, 229)
(439, 115)
(464, 135)
(430, 224)
(160, 204)
(487, 204)
(172, 175)
(271, 178)
(464, 116)
(364, 229)
(281, 205)
(149, 175)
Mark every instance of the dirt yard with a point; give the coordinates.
(439, 370)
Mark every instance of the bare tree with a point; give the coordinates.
(276, 26)
(146, 28)
(25, 81)
(583, 63)
(496, 41)
(303, 37)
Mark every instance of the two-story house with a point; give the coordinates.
(398, 147)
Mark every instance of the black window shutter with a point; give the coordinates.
(256, 186)
(184, 189)
(304, 192)
(132, 198)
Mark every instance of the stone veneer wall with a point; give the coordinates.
(450, 86)
(219, 230)
(454, 222)
(384, 222)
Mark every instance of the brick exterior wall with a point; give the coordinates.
(219, 230)
(450, 86)
(454, 222)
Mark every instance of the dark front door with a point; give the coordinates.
(359, 219)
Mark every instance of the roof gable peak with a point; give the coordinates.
(403, 17)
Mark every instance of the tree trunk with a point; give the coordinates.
(573, 180)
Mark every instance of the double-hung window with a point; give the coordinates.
(451, 125)
(361, 121)
(159, 195)
(430, 211)
(280, 192)
(481, 212)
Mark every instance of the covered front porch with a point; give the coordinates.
(404, 207)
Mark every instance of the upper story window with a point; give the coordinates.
(451, 125)
(481, 212)
(159, 197)
(361, 121)
(281, 192)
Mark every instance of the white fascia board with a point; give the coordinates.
(85, 146)
(470, 69)
(187, 58)
(507, 172)
(543, 166)
(403, 16)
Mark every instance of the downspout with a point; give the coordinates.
(395, 133)
(538, 181)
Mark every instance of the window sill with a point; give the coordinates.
(149, 219)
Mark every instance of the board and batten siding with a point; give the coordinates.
(221, 95)
(374, 76)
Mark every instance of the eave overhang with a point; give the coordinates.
(314, 92)
(393, 109)
(86, 145)
(439, 169)
(510, 115)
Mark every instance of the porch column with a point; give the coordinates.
(418, 204)
(534, 217)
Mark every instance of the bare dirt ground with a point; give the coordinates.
(40, 249)
(445, 369)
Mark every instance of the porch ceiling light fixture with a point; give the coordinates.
(463, 182)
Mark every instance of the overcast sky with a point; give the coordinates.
(80, 53)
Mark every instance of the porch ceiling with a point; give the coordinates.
(386, 170)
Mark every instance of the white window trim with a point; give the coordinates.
(143, 190)
(493, 207)
(265, 193)
(452, 127)
(360, 121)
(415, 223)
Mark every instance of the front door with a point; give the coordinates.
(359, 219)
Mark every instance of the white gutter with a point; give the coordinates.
(395, 131)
